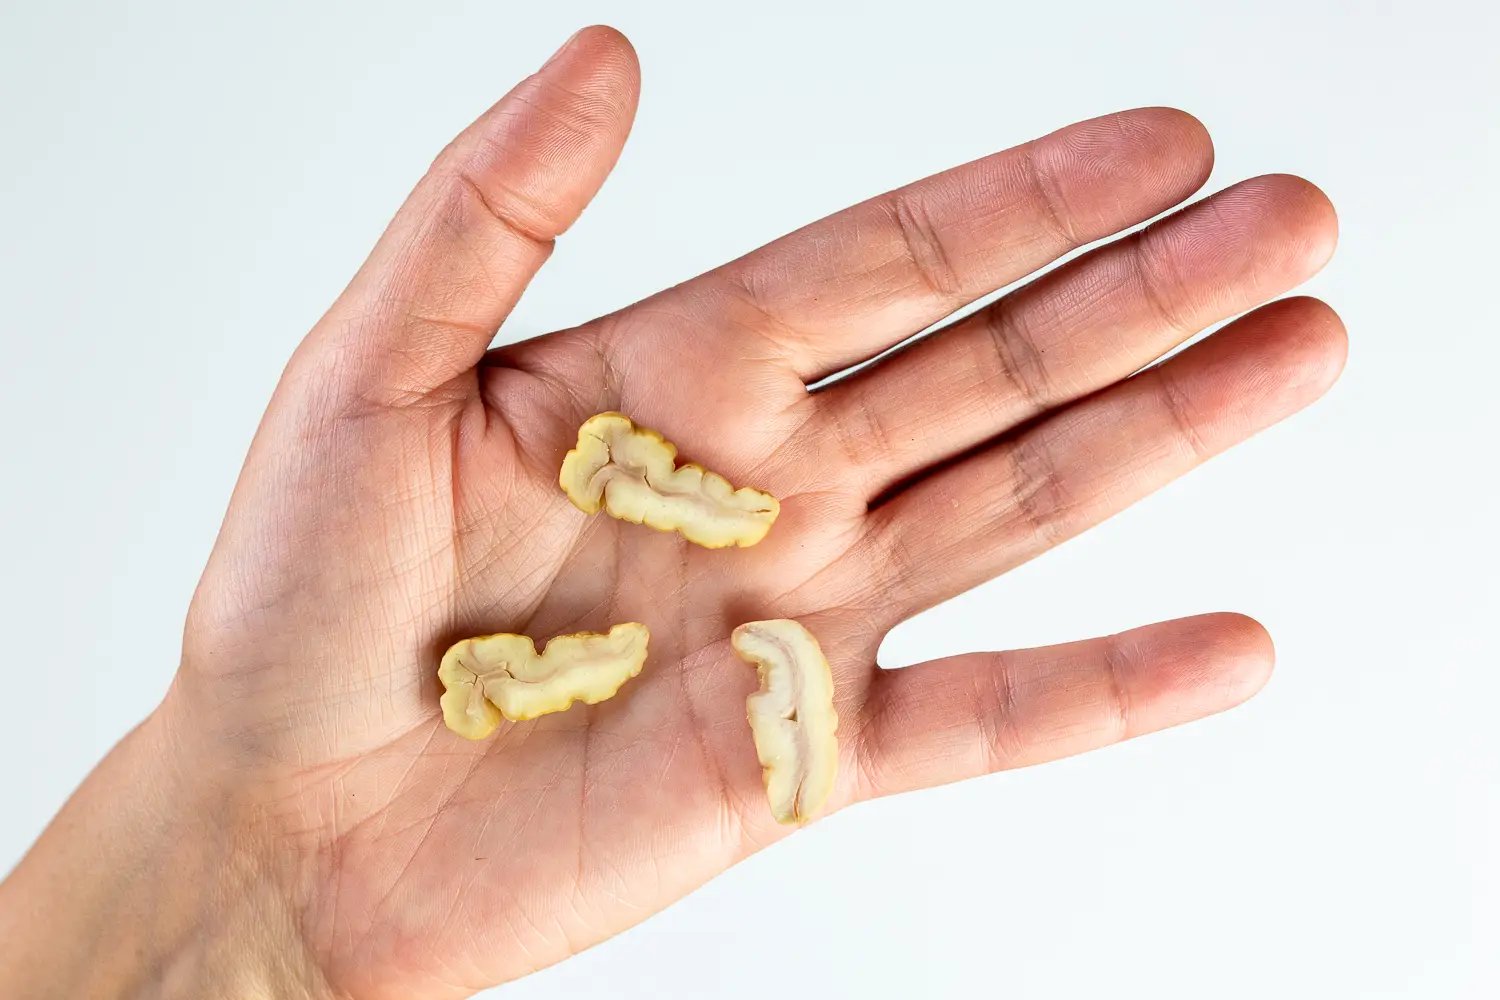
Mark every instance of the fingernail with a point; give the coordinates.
(561, 48)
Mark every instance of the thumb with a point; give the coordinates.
(466, 243)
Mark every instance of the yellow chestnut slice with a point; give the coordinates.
(791, 716)
(493, 676)
(631, 473)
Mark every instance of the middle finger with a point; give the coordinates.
(1073, 331)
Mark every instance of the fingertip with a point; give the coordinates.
(1311, 339)
(1267, 233)
(1244, 634)
(1119, 169)
(597, 58)
(1258, 370)
(1192, 667)
(1178, 133)
(603, 42)
(1243, 651)
(1328, 341)
(1192, 134)
(1316, 219)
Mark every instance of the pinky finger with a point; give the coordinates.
(977, 713)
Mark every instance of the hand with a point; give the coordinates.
(401, 494)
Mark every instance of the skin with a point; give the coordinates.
(294, 820)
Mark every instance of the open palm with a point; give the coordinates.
(401, 494)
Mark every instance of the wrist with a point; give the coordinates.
(152, 882)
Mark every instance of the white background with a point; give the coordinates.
(185, 186)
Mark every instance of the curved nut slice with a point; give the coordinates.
(630, 472)
(791, 716)
(491, 676)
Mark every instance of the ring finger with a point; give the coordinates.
(994, 510)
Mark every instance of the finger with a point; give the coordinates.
(843, 289)
(975, 714)
(990, 512)
(1075, 330)
(477, 227)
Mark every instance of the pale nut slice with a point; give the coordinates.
(791, 716)
(493, 676)
(631, 473)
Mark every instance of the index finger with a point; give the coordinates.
(845, 288)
